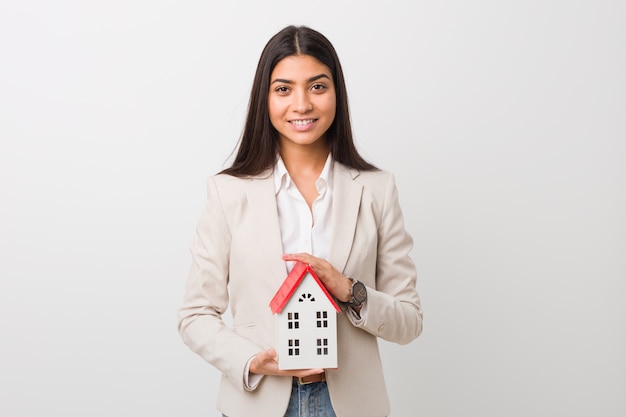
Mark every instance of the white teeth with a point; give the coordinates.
(302, 122)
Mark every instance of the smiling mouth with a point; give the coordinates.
(302, 122)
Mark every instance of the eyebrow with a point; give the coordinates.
(310, 80)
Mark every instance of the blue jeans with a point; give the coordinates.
(310, 400)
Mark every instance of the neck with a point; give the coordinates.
(304, 160)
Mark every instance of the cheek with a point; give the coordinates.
(276, 108)
(331, 108)
(271, 108)
(327, 105)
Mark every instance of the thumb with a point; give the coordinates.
(266, 356)
(271, 352)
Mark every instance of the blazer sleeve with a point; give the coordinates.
(205, 299)
(394, 311)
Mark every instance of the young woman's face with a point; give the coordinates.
(302, 102)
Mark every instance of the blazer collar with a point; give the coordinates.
(346, 202)
(262, 199)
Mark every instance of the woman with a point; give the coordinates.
(299, 191)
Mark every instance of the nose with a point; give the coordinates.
(302, 102)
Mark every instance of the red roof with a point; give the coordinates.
(290, 285)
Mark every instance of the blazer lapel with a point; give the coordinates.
(346, 202)
(262, 199)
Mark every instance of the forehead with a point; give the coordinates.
(299, 67)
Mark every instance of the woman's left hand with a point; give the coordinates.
(334, 281)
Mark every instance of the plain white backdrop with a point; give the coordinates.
(504, 122)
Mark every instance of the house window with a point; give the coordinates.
(294, 347)
(322, 346)
(293, 320)
(322, 319)
(306, 297)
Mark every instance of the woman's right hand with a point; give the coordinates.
(266, 363)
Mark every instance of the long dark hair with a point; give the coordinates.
(259, 142)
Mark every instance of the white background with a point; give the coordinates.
(504, 122)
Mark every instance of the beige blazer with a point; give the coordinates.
(236, 263)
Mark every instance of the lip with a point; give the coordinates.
(303, 125)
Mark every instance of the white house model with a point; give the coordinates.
(306, 321)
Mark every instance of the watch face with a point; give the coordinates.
(359, 292)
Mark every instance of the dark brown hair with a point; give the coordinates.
(259, 142)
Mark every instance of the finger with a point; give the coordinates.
(266, 356)
(272, 353)
(301, 256)
(295, 257)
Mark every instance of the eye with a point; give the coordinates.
(318, 87)
(282, 89)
